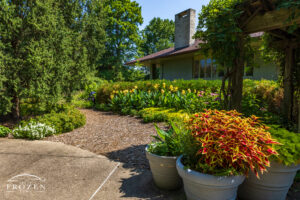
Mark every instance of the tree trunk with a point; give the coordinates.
(16, 108)
(288, 85)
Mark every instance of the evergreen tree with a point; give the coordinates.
(44, 49)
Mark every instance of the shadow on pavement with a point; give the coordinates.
(140, 183)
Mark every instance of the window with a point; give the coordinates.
(205, 69)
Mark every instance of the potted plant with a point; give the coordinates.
(226, 147)
(275, 184)
(162, 155)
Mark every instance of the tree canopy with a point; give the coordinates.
(159, 34)
(122, 31)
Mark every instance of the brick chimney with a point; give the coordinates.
(185, 28)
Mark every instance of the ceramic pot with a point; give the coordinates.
(199, 186)
(272, 185)
(164, 171)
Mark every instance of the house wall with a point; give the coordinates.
(264, 70)
(177, 69)
(182, 68)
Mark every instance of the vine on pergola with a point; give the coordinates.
(222, 25)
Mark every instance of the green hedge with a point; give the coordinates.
(162, 115)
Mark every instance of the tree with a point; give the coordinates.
(122, 32)
(158, 35)
(44, 49)
(227, 44)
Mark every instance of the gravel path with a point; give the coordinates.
(121, 138)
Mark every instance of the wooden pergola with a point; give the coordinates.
(263, 16)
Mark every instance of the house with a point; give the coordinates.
(183, 61)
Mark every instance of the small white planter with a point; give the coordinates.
(198, 186)
(164, 171)
(272, 185)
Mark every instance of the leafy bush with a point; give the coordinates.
(289, 151)
(162, 115)
(187, 100)
(229, 144)
(64, 121)
(33, 131)
(106, 90)
(168, 143)
(4, 131)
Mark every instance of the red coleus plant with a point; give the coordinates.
(227, 140)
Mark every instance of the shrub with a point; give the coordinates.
(162, 115)
(33, 131)
(168, 143)
(229, 144)
(289, 151)
(106, 90)
(4, 131)
(65, 121)
(188, 100)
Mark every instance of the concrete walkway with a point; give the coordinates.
(42, 170)
(38, 170)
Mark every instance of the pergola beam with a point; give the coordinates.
(271, 20)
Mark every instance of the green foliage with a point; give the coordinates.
(189, 101)
(4, 131)
(158, 35)
(124, 73)
(289, 151)
(47, 48)
(218, 26)
(260, 98)
(123, 19)
(168, 143)
(64, 121)
(33, 130)
(162, 115)
(104, 92)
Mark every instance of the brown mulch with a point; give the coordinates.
(121, 138)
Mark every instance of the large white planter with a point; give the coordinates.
(198, 186)
(272, 185)
(164, 171)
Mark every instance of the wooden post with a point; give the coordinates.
(288, 84)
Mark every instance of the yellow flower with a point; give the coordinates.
(176, 89)
(189, 91)
(112, 96)
(156, 86)
(132, 91)
(164, 85)
(195, 91)
(125, 91)
(135, 87)
(162, 91)
(183, 92)
(171, 88)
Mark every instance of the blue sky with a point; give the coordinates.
(166, 9)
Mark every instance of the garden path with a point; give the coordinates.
(121, 139)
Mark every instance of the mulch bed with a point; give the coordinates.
(121, 138)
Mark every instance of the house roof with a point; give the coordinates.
(168, 52)
(174, 52)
